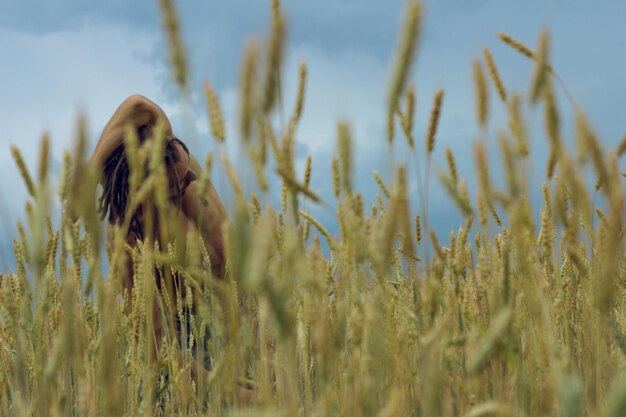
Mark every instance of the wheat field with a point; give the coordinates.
(514, 313)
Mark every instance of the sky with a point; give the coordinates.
(62, 58)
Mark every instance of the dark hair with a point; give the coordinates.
(114, 199)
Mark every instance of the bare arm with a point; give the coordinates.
(208, 214)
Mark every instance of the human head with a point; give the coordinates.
(142, 115)
(136, 112)
(114, 200)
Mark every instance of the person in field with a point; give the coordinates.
(186, 209)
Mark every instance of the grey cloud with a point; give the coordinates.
(40, 16)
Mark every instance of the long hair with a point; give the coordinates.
(115, 195)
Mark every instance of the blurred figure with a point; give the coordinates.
(186, 209)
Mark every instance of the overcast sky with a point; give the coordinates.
(67, 56)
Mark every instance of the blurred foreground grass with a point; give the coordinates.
(516, 313)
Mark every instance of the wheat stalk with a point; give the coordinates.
(482, 95)
(216, 119)
(177, 51)
(433, 121)
(495, 75)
